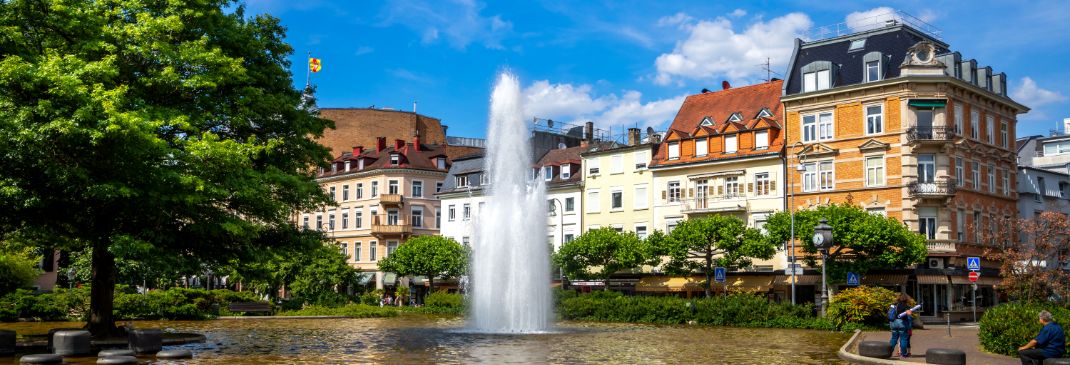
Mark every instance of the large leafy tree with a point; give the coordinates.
(150, 127)
(1033, 255)
(703, 244)
(599, 253)
(18, 269)
(863, 241)
(429, 256)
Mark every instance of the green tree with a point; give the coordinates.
(703, 244)
(863, 241)
(18, 269)
(599, 253)
(429, 256)
(163, 127)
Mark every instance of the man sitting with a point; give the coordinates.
(1050, 342)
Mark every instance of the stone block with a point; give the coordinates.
(41, 359)
(117, 360)
(7, 343)
(878, 349)
(146, 341)
(945, 356)
(72, 343)
(174, 354)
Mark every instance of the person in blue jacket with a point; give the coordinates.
(901, 324)
(1049, 343)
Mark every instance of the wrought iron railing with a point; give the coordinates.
(922, 133)
(942, 188)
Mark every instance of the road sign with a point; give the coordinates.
(718, 274)
(974, 275)
(796, 268)
(973, 263)
(852, 279)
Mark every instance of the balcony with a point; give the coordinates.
(390, 225)
(940, 246)
(932, 190)
(388, 200)
(931, 135)
(714, 204)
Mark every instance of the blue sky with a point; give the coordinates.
(628, 63)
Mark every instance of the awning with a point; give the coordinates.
(757, 283)
(964, 280)
(389, 278)
(661, 284)
(418, 280)
(932, 279)
(884, 279)
(927, 103)
(364, 278)
(785, 280)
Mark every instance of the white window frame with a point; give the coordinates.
(824, 79)
(645, 231)
(592, 166)
(570, 204)
(393, 187)
(641, 197)
(960, 172)
(617, 163)
(731, 143)
(375, 189)
(927, 226)
(345, 192)
(416, 223)
(669, 196)
(548, 172)
(395, 159)
(440, 162)
(391, 247)
(373, 247)
(733, 187)
(992, 178)
(875, 174)
(702, 147)
(461, 180)
(876, 65)
(613, 205)
(593, 204)
(356, 251)
(451, 213)
(990, 125)
(960, 118)
(975, 123)
(762, 183)
(826, 128)
(641, 159)
(809, 82)
(808, 128)
(358, 217)
(874, 122)
(761, 139)
(360, 191)
(1003, 134)
(674, 150)
(345, 219)
(417, 186)
(1006, 182)
(976, 167)
(466, 211)
(566, 171)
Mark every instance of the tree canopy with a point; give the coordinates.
(1033, 255)
(598, 253)
(156, 127)
(863, 241)
(703, 244)
(429, 256)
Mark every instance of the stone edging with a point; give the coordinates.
(280, 317)
(847, 356)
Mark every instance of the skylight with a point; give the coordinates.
(706, 121)
(857, 44)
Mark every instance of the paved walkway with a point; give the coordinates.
(963, 337)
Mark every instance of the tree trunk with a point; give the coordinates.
(605, 283)
(709, 278)
(102, 292)
(431, 282)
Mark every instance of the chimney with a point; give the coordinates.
(357, 150)
(725, 85)
(1066, 125)
(399, 144)
(416, 142)
(380, 144)
(633, 136)
(588, 132)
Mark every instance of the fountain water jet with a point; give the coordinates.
(510, 268)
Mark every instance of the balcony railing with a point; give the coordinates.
(710, 204)
(388, 225)
(934, 189)
(931, 134)
(391, 199)
(940, 246)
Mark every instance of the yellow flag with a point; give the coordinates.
(314, 64)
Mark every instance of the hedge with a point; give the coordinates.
(1006, 327)
(349, 310)
(73, 304)
(864, 305)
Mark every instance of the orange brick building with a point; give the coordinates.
(891, 120)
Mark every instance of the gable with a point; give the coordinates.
(874, 145)
(706, 122)
(818, 150)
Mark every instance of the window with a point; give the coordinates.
(992, 178)
(440, 163)
(375, 189)
(824, 126)
(976, 167)
(330, 221)
(438, 187)
(392, 217)
(616, 200)
(451, 214)
(360, 164)
(824, 79)
(570, 205)
(857, 44)
(730, 144)
(641, 232)
(356, 251)
(466, 241)
(762, 184)
(332, 193)
(305, 220)
(592, 201)
(592, 166)
(809, 81)
(438, 218)
(761, 140)
(347, 165)
(927, 226)
(809, 128)
(960, 224)
(392, 187)
(466, 212)
(358, 217)
(706, 121)
(618, 163)
(877, 211)
(731, 187)
(1006, 182)
(926, 168)
(640, 199)
(818, 176)
(391, 246)
(417, 217)
(975, 123)
(1003, 134)
(548, 172)
(819, 80)
(674, 150)
(462, 180)
(874, 119)
(959, 118)
(395, 159)
(569, 237)
(674, 191)
(990, 129)
(875, 171)
(345, 220)
(976, 226)
(319, 222)
(735, 117)
(960, 177)
(417, 189)
(360, 190)
(484, 178)
(345, 192)
(344, 249)
(701, 147)
(924, 121)
(641, 158)
(873, 71)
(566, 171)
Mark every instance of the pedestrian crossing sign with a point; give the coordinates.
(852, 279)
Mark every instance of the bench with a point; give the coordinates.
(250, 307)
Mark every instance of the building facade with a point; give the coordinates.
(891, 120)
(618, 185)
(1049, 153)
(559, 169)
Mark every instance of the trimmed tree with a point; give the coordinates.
(599, 253)
(157, 128)
(863, 241)
(429, 256)
(703, 244)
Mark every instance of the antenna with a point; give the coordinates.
(767, 66)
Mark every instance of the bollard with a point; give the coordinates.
(117, 360)
(41, 359)
(52, 332)
(174, 354)
(146, 341)
(878, 349)
(115, 352)
(7, 343)
(72, 343)
(945, 356)
(948, 315)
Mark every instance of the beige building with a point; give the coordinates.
(617, 185)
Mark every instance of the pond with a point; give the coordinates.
(418, 339)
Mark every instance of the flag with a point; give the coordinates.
(314, 64)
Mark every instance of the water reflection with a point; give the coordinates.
(425, 340)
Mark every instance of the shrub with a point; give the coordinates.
(372, 298)
(1006, 327)
(863, 305)
(443, 299)
(349, 310)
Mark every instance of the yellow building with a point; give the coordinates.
(617, 185)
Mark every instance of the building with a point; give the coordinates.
(1041, 190)
(462, 198)
(362, 127)
(384, 196)
(618, 185)
(1049, 153)
(892, 120)
(560, 170)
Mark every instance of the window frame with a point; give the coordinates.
(592, 202)
(876, 67)
(641, 199)
(976, 175)
(616, 199)
(674, 150)
(416, 186)
(762, 184)
(702, 147)
(879, 172)
(960, 172)
(672, 187)
(874, 119)
(735, 143)
(616, 162)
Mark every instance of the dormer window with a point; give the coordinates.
(395, 159)
(347, 166)
(872, 66)
(548, 172)
(440, 162)
(701, 147)
(462, 181)
(730, 144)
(817, 76)
(735, 117)
(566, 171)
(764, 113)
(674, 150)
(360, 164)
(706, 122)
(484, 178)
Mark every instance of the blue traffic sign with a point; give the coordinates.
(973, 263)
(852, 279)
(718, 275)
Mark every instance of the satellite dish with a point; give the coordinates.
(649, 130)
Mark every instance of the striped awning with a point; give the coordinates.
(662, 284)
(964, 280)
(756, 283)
(932, 279)
(884, 279)
(785, 280)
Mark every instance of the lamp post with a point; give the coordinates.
(822, 241)
(561, 236)
(791, 209)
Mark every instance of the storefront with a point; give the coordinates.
(693, 286)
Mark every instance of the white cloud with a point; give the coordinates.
(577, 103)
(713, 48)
(458, 22)
(869, 19)
(677, 19)
(738, 13)
(1031, 95)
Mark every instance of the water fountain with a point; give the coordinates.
(510, 269)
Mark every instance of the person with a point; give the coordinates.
(901, 325)
(1049, 343)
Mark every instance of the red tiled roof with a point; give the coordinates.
(422, 158)
(719, 105)
(562, 155)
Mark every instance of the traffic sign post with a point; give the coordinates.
(719, 276)
(973, 263)
(973, 279)
(852, 279)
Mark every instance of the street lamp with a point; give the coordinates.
(791, 209)
(822, 241)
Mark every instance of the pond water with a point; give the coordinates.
(418, 339)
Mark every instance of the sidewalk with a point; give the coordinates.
(963, 337)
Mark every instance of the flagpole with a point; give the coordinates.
(308, 70)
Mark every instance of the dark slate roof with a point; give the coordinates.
(560, 157)
(848, 67)
(470, 165)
